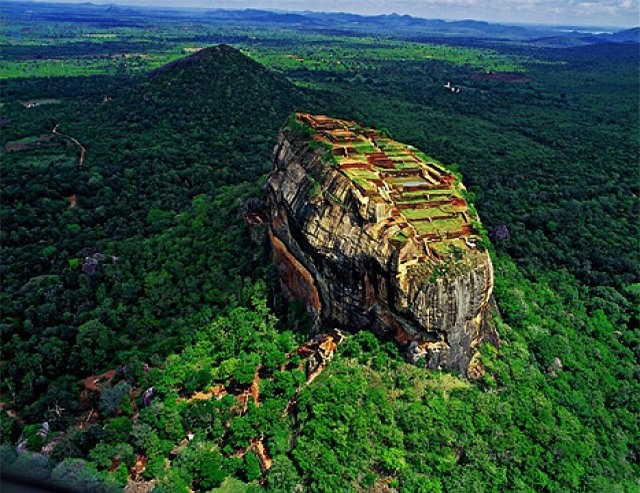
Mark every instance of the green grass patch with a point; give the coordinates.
(400, 237)
(417, 214)
(363, 147)
(364, 184)
(448, 247)
(363, 174)
(315, 190)
(403, 180)
(407, 166)
(440, 225)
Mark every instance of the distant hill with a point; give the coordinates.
(626, 36)
(392, 24)
(383, 24)
(578, 38)
(227, 91)
(213, 60)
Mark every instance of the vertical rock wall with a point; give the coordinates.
(333, 251)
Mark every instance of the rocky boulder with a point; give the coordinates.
(373, 234)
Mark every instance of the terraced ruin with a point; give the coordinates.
(414, 197)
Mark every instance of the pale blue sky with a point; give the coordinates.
(622, 13)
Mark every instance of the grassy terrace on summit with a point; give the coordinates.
(414, 194)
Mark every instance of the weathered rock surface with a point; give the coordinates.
(374, 235)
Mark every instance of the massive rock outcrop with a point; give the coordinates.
(373, 234)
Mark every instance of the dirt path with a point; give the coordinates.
(322, 350)
(72, 139)
(318, 353)
(263, 456)
(73, 199)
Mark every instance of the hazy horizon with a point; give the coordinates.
(602, 13)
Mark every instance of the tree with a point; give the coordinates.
(32, 465)
(251, 467)
(118, 430)
(213, 470)
(94, 344)
(393, 460)
(283, 476)
(245, 372)
(104, 455)
(77, 473)
(116, 398)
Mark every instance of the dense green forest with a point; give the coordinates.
(132, 285)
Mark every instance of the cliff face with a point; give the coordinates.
(375, 235)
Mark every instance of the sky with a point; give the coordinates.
(620, 13)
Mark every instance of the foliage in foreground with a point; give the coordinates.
(540, 420)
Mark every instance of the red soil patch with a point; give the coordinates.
(91, 383)
(139, 467)
(502, 77)
(467, 230)
(303, 351)
(253, 392)
(328, 347)
(255, 389)
(16, 146)
(6, 406)
(115, 462)
(73, 200)
(217, 391)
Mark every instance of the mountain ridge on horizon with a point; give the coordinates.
(393, 23)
